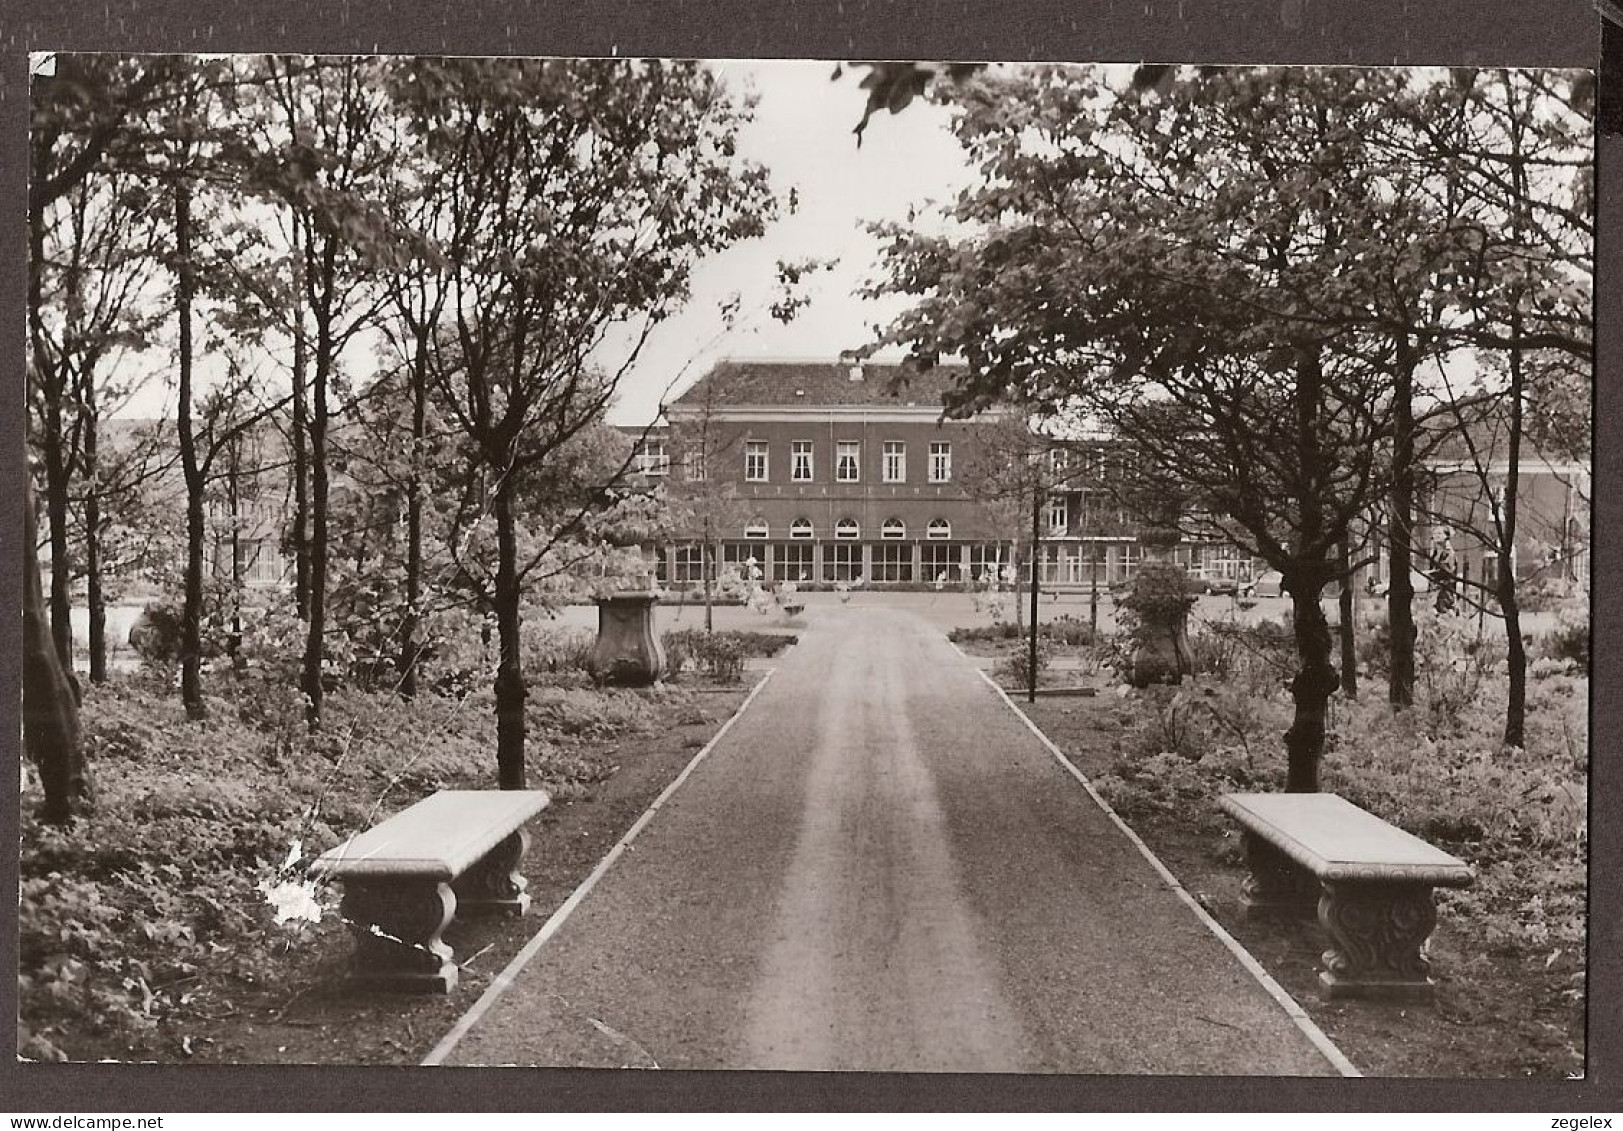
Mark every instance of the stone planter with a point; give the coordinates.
(627, 652)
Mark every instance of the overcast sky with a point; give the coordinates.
(803, 134)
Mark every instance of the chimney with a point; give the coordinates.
(853, 361)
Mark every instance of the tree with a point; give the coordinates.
(50, 696)
(577, 195)
(1186, 265)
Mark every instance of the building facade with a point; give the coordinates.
(835, 472)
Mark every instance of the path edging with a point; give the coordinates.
(555, 921)
(1290, 1005)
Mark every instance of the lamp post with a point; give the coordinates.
(1036, 552)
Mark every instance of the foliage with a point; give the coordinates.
(1569, 640)
(719, 655)
(1065, 629)
(1016, 669)
(163, 913)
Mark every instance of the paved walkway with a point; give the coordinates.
(880, 868)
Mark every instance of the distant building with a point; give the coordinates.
(831, 471)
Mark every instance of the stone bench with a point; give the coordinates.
(405, 879)
(1369, 883)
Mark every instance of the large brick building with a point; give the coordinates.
(831, 471)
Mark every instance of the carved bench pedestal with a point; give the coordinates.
(397, 926)
(1378, 938)
(1276, 885)
(494, 886)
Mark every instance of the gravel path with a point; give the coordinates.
(880, 868)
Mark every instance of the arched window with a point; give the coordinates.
(938, 530)
(894, 528)
(756, 528)
(800, 528)
(847, 528)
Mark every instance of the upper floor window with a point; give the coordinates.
(800, 461)
(755, 461)
(1059, 461)
(653, 458)
(940, 461)
(800, 528)
(694, 465)
(1058, 514)
(938, 530)
(847, 461)
(895, 469)
(893, 528)
(847, 528)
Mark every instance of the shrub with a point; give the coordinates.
(1569, 639)
(1015, 670)
(719, 655)
(155, 635)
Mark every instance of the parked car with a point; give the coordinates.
(1267, 584)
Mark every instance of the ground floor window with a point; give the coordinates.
(1064, 564)
(687, 563)
(940, 564)
(892, 562)
(743, 560)
(1127, 559)
(986, 561)
(842, 561)
(792, 561)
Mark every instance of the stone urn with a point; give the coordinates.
(627, 652)
(1161, 599)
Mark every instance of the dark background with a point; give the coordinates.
(1563, 33)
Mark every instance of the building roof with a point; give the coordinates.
(819, 383)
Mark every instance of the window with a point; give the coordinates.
(263, 561)
(755, 461)
(800, 461)
(755, 528)
(986, 562)
(694, 465)
(842, 562)
(652, 458)
(1129, 560)
(939, 530)
(940, 461)
(893, 563)
(893, 529)
(940, 564)
(847, 529)
(792, 561)
(1058, 515)
(800, 528)
(847, 461)
(1059, 461)
(742, 561)
(689, 564)
(895, 469)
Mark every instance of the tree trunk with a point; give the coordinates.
(510, 692)
(234, 503)
(1311, 688)
(1400, 533)
(1347, 605)
(1506, 588)
(409, 650)
(56, 510)
(301, 440)
(316, 597)
(191, 615)
(50, 697)
(705, 567)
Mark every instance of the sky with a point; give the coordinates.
(803, 133)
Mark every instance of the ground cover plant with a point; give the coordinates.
(1509, 952)
(176, 921)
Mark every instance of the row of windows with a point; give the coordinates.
(849, 529)
(653, 458)
(840, 562)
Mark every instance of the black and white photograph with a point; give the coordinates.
(807, 565)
